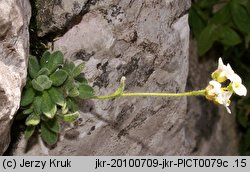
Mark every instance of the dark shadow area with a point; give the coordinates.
(17, 129)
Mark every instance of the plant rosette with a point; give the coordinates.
(49, 96)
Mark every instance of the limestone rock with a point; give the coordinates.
(14, 45)
(54, 15)
(147, 42)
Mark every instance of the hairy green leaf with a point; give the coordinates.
(44, 118)
(69, 67)
(78, 69)
(36, 86)
(65, 109)
(33, 119)
(58, 77)
(56, 96)
(37, 105)
(48, 136)
(33, 66)
(27, 96)
(28, 83)
(54, 61)
(72, 105)
(71, 117)
(41, 83)
(85, 91)
(45, 58)
(69, 84)
(48, 107)
(206, 39)
(29, 131)
(74, 92)
(44, 71)
(53, 125)
(28, 111)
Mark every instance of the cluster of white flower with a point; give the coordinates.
(221, 95)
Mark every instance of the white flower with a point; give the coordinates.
(215, 93)
(216, 87)
(224, 99)
(236, 84)
(212, 90)
(239, 88)
(223, 72)
(221, 95)
(234, 78)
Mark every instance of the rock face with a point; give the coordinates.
(56, 15)
(148, 43)
(14, 45)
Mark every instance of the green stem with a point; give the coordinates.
(191, 93)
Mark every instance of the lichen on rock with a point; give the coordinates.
(14, 49)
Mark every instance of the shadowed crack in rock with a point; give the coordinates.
(54, 31)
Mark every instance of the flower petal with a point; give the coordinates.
(216, 87)
(215, 84)
(234, 78)
(229, 71)
(239, 89)
(223, 98)
(221, 64)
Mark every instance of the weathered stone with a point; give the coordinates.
(148, 42)
(14, 45)
(54, 15)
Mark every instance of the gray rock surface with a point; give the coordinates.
(148, 42)
(151, 50)
(54, 15)
(14, 45)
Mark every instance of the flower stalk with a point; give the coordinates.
(191, 93)
(120, 93)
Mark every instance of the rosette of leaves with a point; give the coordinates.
(49, 96)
